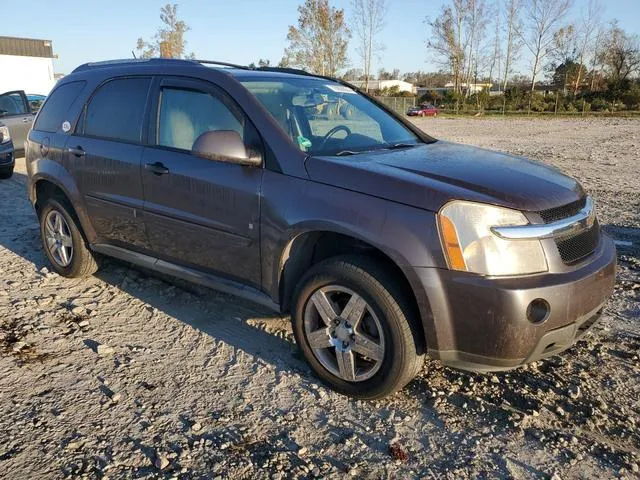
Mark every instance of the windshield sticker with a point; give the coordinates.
(304, 142)
(340, 89)
(66, 126)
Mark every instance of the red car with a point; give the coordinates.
(424, 110)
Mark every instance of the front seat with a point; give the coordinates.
(181, 132)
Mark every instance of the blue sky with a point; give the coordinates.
(238, 31)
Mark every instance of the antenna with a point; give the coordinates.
(134, 55)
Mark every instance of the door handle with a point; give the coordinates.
(156, 168)
(77, 151)
(26, 120)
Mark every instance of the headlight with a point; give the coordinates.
(469, 244)
(4, 134)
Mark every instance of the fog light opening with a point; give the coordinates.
(538, 310)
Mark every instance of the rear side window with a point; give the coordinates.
(116, 110)
(57, 105)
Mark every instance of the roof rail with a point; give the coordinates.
(297, 71)
(129, 61)
(224, 64)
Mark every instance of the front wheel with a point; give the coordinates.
(5, 174)
(356, 329)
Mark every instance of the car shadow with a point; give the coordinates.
(627, 239)
(234, 321)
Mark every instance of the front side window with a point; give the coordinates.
(12, 104)
(326, 118)
(116, 111)
(186, 114)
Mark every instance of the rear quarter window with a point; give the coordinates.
(55, 108)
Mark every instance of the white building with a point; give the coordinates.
(26, 64)
(377, 85)
(472, 87)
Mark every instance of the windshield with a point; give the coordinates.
(326, 118)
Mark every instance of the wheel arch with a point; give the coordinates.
(43, 186)
(310, 247)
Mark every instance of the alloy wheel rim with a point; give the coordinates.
(58, 238)
(344, 333)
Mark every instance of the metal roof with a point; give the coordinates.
(26, 47)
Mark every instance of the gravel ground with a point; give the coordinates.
(125, 375)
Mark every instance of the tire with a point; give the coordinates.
(396, 331)
(4, 174)
(81, 262)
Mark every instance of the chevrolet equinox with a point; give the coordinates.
(305, 195)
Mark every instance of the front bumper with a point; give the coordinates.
(7, 158)
(480, 323)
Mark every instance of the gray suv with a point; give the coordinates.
(383, 244)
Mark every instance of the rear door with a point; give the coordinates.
(16, 114)
(104, 156)
(200, 212)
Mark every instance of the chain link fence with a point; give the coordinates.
(398, 104)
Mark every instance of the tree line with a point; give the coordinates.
(580, 58)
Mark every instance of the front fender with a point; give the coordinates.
(292, 207)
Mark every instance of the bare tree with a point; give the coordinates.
(319, 42)
(586, 36)
(446, 39)
(475, 23)
(596, 58)
(620, 54)
(496, 53)
(542, 20)
(169, 41)
(563, 53)
(513, 25)
(368, 21)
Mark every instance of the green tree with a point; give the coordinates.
(261, 63)
(169, 41)
(319, 42)
(566, 75)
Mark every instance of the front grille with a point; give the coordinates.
(576, 247)
(558, 213)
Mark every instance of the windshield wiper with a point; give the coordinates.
(344, 153)
(396, 146)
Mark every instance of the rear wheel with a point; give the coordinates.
(63, 242)
(355, 328)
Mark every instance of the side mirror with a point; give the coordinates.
(224, 146)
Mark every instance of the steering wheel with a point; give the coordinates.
(332, 132)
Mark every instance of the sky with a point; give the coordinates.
(237, 31)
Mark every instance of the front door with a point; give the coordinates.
(200, 212)
(15, 113)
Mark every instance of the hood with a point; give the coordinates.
(430, 175)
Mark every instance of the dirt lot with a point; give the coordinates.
(189, 383)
